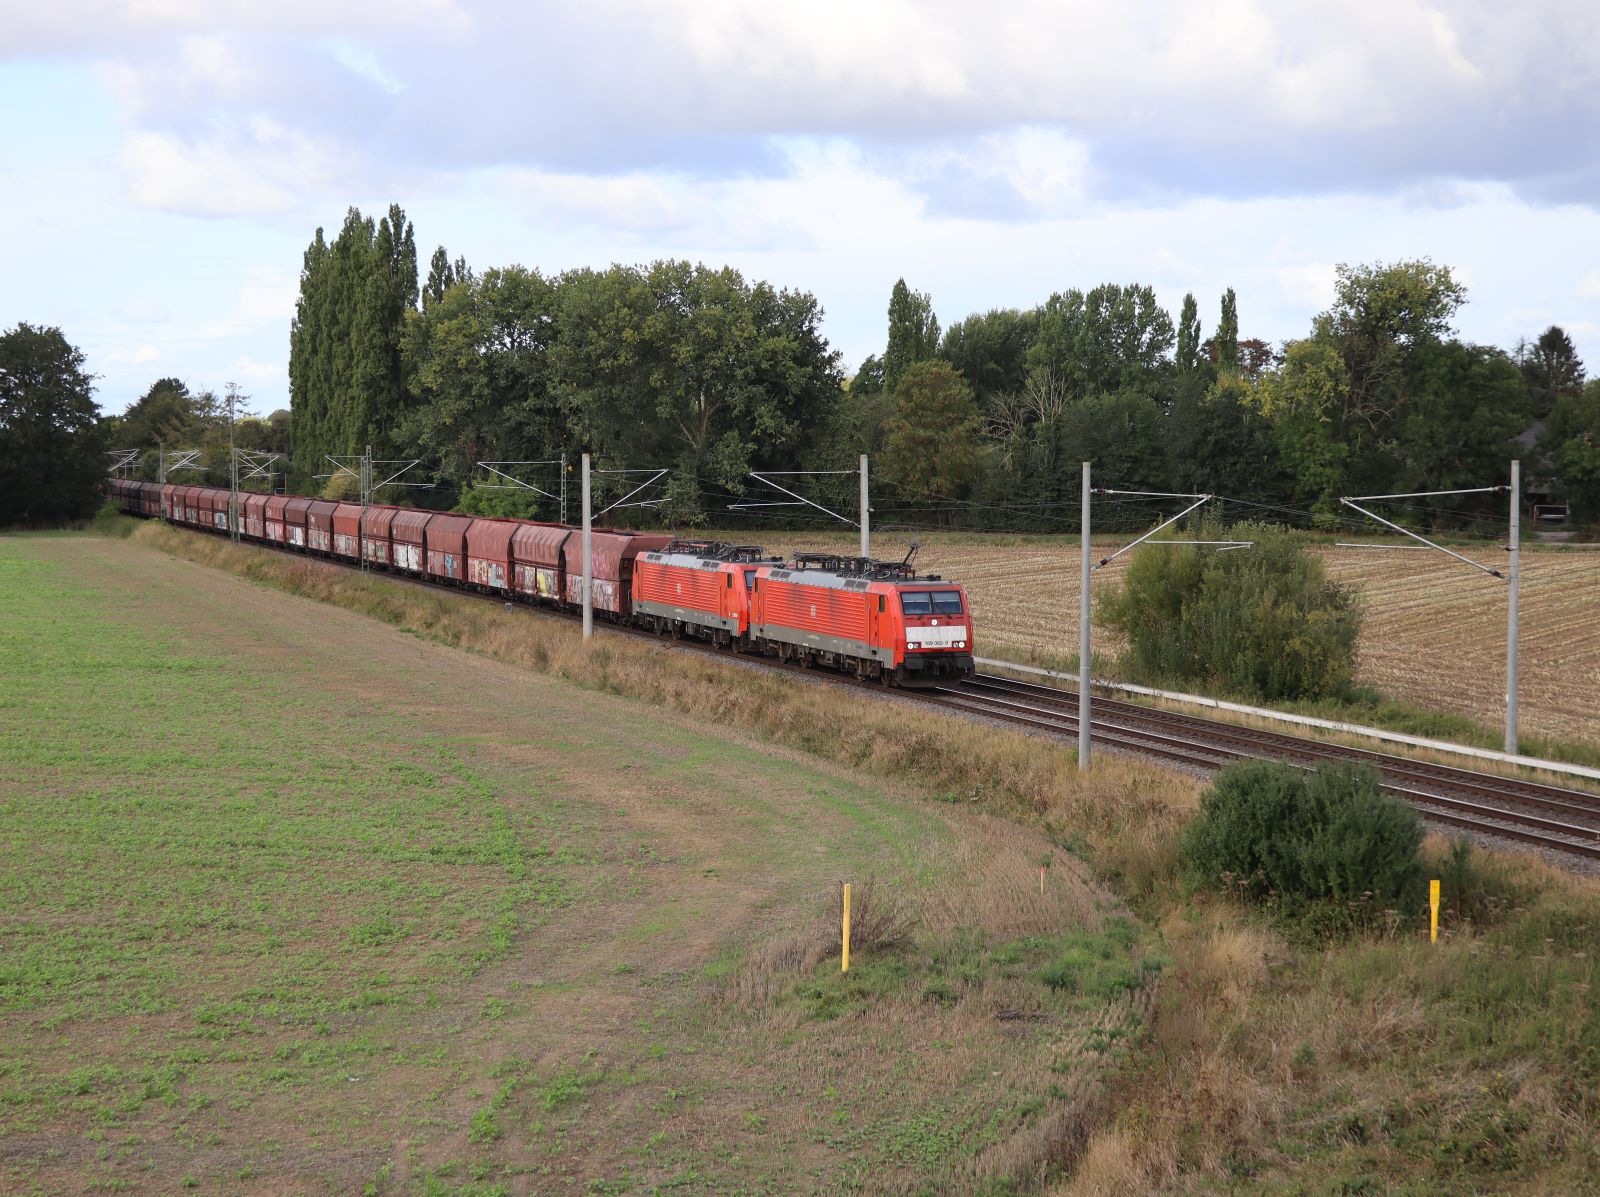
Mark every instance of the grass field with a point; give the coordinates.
(296, 902)
(1434, 633)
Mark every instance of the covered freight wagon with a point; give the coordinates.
(447, 546)
(319, 525)
(294, 522)
(489, 552)
(377, 526)
(170, 507)
(347, 530)
(253, 514)
(218, 504)
(611, 567)
(408, 538)
(276, 530)
(538, 560)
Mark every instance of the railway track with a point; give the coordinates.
(1552, 817)
(1560, 820)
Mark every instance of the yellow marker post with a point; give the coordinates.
(1433, 912)
(844, 960)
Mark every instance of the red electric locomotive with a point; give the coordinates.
(698, 588)
(877, 619)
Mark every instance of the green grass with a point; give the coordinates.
(219, 847)
(258, 927)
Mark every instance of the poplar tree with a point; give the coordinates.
(1226, 342)
(346, 377)
(1188, 338)
(913, 333)
(442, 275)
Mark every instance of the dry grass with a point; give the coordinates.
(1457, 1067)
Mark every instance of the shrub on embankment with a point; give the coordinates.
(1269, 831)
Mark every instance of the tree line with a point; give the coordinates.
(981, 423)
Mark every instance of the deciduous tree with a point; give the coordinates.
(1552, 369)
(52, 446)
(991, 349)
(931, 443)
(1113, 338)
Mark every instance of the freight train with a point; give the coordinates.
(880, 621)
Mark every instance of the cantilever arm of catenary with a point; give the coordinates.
(654, 476)
(1163, 524)
(801, 498)
(1493, 573)
(511, 481)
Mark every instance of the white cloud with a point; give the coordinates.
(265, 169)
(135, 357)
(246, 370)
(364, 62)
(1239, 97)
(265, 300)
(645, 209)
(1589, 287)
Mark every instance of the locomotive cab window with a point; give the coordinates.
(931, 602)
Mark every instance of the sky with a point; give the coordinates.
(164, 163)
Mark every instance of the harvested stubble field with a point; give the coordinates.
(297, 902)
(1434, 633)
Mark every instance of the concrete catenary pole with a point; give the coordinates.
(1515, 548)
(866, 512)
(233, 472)
(1083, 634)
(588, 549)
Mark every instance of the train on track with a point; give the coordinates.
(880, 621)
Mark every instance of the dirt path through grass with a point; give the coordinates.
(297, 902)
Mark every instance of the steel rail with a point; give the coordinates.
(1231, 742)
(1549, 797)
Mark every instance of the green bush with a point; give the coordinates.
(1268, 830)
(1357, 839)
(1246, 834)
(1262, 622)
